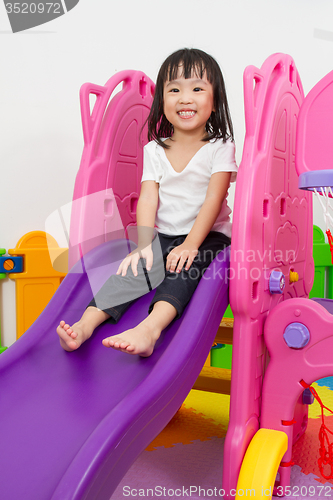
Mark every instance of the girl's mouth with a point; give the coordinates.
(186, 114)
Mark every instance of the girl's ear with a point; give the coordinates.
(214, 107)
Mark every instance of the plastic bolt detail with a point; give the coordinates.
(296, 335)
(308, 397)
(276, 282)
(217, 346)
(293, 277)
(9, 264)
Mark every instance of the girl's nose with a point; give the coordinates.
(185, 98)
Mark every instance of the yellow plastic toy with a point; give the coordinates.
(260, 465)
(39, 280)
(293, 277)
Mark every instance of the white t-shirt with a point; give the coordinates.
(181, 194)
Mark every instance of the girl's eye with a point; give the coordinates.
(197, 89)
(174, 90)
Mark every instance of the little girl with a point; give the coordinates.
(188, 167)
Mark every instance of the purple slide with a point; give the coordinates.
(72, 424)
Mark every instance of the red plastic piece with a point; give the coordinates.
(330, 241)
(287, 464)
(288, 422)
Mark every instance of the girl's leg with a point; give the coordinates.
(71, 337)
(170, 299)
(142, 339)
(112, 300)
(178, 288)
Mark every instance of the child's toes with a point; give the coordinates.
(72, 345)
(121, 344)
(66, 327)
(124, 344)
(60, 330)
(115, 342)
(129, 348)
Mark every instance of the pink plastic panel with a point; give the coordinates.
(272, 230)
(108, 182)
(282, 387)
(289, 366)
(314, 146)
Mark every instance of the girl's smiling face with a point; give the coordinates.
(188, 103)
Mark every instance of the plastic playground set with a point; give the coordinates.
(70, 429)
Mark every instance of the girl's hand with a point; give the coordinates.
(186, 252)
(133, 258)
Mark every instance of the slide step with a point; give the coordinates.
(225, 331)
(213, 379)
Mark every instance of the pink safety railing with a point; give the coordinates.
(108, 181)
(272, 231)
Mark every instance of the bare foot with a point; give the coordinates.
(139, 340)
(71, 337)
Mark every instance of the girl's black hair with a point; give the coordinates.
(219, 124)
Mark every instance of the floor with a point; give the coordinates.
(185, 459)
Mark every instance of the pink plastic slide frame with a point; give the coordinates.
(107, 185)
(272, 231)
(310, 359)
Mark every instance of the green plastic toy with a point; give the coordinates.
(323, 277)
(2, 276)
(221, 355)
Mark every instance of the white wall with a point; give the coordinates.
(43, 68)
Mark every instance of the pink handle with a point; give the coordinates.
(92, 121)
(251, 94)
(88, 119)
(257, 97)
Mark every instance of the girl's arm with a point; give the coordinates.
(145, 219)
(216, 192)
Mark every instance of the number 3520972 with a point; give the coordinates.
(33, 8)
